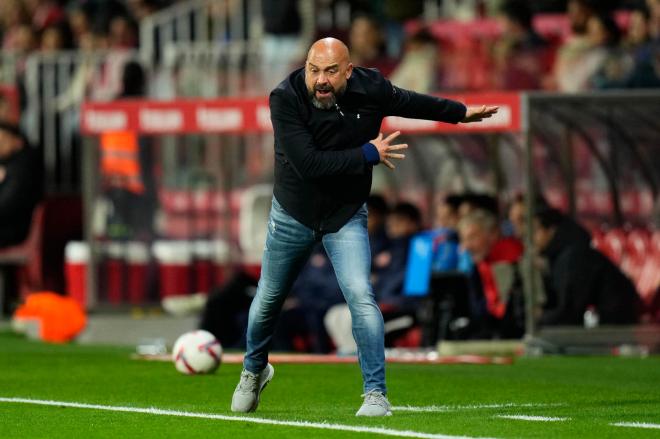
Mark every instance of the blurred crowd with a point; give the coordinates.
(461, 278)
(52, 25)
(590, 45)
(610, 44)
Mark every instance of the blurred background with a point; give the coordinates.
(477, 235)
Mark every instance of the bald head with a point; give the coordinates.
(330, 48)
(327, 70)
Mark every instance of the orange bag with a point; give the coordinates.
(60, 318)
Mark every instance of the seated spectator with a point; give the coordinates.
(434, 250)
(520, 55)
(14, 25)
(478, 201)
(44, 13)
(225, 313)
(389, 266)
(569, 61)
(609, 61)
(516, 215)
(497, 307)
(378, 211)
(643, 51)
(56, 37)
(20, 185)
(654, 19)
(78, 19)
(367, 44)
(418, 68)
(579, 276)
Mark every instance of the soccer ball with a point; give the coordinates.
(197, 352)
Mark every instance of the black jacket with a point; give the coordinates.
(20, 191)
(580, 276)
(321, 175)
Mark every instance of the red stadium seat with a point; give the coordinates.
(613, 245)
(27, 255)
(649, 278)
(635, 253)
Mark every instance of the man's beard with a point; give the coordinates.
(329, 101)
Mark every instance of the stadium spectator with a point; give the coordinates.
(225, 313)
(606, 57)
(44, 13)
(395, 14)
(654, 19)
(570, 53)
(122, 33)
(56, 37)
(520, 55)
(78, 19)
(283, 43)
(20, 184)
(474, 201)
(418, 69)
(643, 51)
(434, 250)
(389, 266)
(497, 307)
(578, 276)
(367, 44)
(516, 214)
(446, 212)
(378, 211)
(15, 26)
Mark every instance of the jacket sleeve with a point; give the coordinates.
(406, 103)
(296, 142)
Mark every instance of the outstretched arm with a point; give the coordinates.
(407, 103)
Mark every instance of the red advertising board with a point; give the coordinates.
(252, 115)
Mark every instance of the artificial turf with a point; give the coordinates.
(592, 391)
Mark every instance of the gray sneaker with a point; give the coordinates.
(249, 388)
(375, 404)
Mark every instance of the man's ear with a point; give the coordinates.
(349, 70)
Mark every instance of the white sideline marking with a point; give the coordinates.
(533, 418)
(636, 425)
(302, 424)
(453, 408)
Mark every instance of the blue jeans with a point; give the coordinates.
(288, 246)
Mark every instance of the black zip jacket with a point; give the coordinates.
(321, 174)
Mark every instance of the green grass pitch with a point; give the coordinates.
(589, 393)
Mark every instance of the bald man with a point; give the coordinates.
(326, 119)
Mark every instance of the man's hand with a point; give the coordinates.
(383, 146)
(477, 114)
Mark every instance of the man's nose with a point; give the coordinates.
(322, 79)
